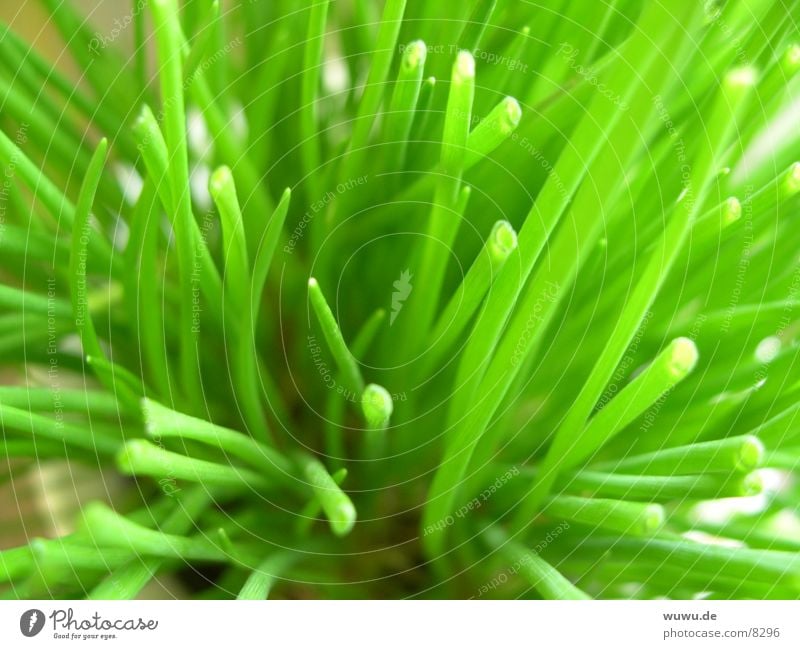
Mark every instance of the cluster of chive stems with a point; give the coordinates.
(359, 310)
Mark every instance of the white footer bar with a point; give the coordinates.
(381, 625)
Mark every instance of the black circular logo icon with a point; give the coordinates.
(31, 622)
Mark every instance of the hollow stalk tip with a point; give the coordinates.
(752, 484)
(741, 78)
(414, 56)
(790, 61)
(502, 240)
(338, 507)
(731, 211)
(130, 455)
(791, 184)
(464, 68)
(221, 178)
(683, 357)
(652, 519)
(512, 113)
(377, 405)
(751, 453)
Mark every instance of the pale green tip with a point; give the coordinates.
(147, 406)
(312, 282)
(731, 211)
(220, 180)
(377, 405)
(791, 58)
(652, 519)
(225, 541)
(156, 416)
(141, 123)
(39, 547)
(751, 454)
(464, 67)
(512, 113)
(683, 357)
(792, 185)
(502, 241)
(343, 518)
(712, 11)
(741, 78)
(145, 113)
(131, 454)
(414, 55)
(751, 485)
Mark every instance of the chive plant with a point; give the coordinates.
(399, 299)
